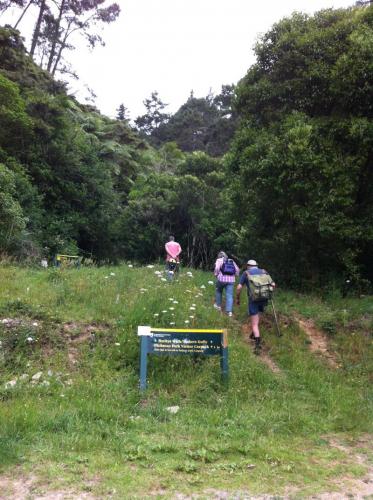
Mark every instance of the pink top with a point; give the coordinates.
(225, 278)
(173, 250)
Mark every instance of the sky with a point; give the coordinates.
(175, 46)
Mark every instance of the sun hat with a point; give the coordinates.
(252, 262)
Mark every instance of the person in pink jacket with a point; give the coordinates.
(173, 251)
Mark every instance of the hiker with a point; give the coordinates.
(173, 250)
(225, 271)
(259, 288)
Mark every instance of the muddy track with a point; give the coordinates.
(264, 355)
(318, 341)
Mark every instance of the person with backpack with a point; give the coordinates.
(225, 271)
(259, 290)
(173, 251)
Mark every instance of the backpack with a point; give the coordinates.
(260, 286)
(228, 267)
(172, 264)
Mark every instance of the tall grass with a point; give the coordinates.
(85, 424)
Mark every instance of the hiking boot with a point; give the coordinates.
(258, 346)
(218, 308)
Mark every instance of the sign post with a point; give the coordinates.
(173, 342)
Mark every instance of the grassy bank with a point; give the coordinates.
(82, 424)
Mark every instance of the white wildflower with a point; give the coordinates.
(11, 383)
(191, 317)
(171, 308)
(112, 274)
(163, 279)
(130, 265)
(164, 311)
(192, 308)
(150, 266)
(35, 323)
(30, 339)
(156, 315)
(173, 409)
(175, 302)
(117, 343)
(203, 286)
(172, 323)
(210, 282)
(186, 321)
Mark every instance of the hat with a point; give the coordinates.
(252, 262)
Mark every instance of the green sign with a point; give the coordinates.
(174, 342)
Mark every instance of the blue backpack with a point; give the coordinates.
(228, 267)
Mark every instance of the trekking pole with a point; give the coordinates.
(276, 321)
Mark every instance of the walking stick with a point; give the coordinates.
(276, 321)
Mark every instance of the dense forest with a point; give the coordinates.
(278, 166)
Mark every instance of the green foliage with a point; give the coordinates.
(302, 158)
(191, 204)
(68, 167)
(204, 124)
(12, 220)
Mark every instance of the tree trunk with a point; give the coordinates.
(35, 35)
(56, 36)
(23, 13)
(62, 46)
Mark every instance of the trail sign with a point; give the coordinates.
(173, 342)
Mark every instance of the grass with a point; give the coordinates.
(84, 426)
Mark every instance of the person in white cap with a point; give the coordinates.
(256, 305)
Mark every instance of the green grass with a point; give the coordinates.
(90, 429)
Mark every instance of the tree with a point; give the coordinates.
(122, 113)
(12, 220)
(301, 162)
(201, 124)
(56, 25)
(154, 117)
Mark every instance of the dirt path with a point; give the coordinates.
(318, 341)
(78, 333)
(29, 488)
(264, 355)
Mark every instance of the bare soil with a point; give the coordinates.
(318, 341)
(79, 333)
(264, 355)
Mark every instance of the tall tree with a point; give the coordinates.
(122, 113)
(302, 159)
(58, 22)
(154, 116)
(37, 28)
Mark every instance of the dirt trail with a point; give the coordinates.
(28, 488)
(319, 343)
(78, 333)
(264, 356)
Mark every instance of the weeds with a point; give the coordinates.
(86, 419)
